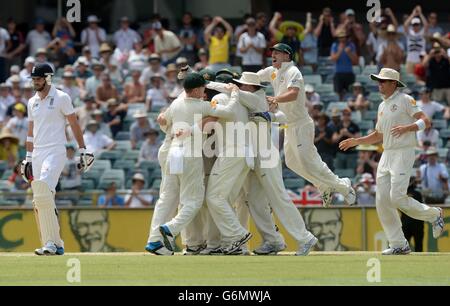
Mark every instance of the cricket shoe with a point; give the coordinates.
(194, 250)
(350, 198)
(438, 225)
(168, 238)
(158, 248)
(268, 248)
(212, 251)
(236, 245)
(327, 197)
(405, 250)
(50, 249)
(307, 247)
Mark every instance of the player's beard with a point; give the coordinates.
(40, 88)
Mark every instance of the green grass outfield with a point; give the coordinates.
(144, 269)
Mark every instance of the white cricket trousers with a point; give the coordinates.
(393, 174)
(48, 164)
(302, 157)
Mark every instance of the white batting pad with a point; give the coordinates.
(46, 211)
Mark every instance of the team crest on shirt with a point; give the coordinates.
(273, 76)
(213, 104)
(394, 107)
(413, 102)
(51, 105)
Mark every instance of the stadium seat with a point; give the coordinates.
(93, 174)
(326, 70)
(374, 97)
(443, 152)
(156, 184)
(357, 70)
(313, 79)
(147, 164)
(306, 70)
(123, 145)
(6, 174)
(113, 175)
(288, 173)
(370, 69)
(123, 135)
(111, 155)
(126, 165)
(366, 125)
(5, 186)
(444, 133)
(102, 165)
(131, 155)
(325, 88)
(370, 115)
(362, 78)
(87, 184)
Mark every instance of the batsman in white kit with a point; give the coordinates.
(399, 118)
(48, 111)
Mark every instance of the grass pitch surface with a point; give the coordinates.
(144, 269)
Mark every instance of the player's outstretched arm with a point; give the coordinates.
(375, 137)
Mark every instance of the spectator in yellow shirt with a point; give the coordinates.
(218, 43)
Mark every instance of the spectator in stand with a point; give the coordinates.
(309, 43)
(106, 91)
(415, 37)
(438, 77)
(357, 102)
(153, 68)
(9, 148)
(391, 51)
(134, 90)
(252, 45)
(354, 30)
(111, 199)
(137, 198)
(125, 37)
(150, 147)
(262, 25)
(93, 82)
(434, 179)
(38, 38)
(429, 135)
(71, 176)
(95, 140)
(204, 61)
(433, 26)
(347, 129)
(157, 95)
(86, 53)
(324, 140)
(98, 116)
(315, 110)
(93, 36)
(18, 124)
(289, 33)
(172, 83)
(139, 128)
(18, 100)
(217, 37)
(6, 100)
(343, 53)
(106, 55)
(41, 55)
(188, 37)
(17, 46)
(431, 108)
(167, 44)
(138, 57)
(85, 112)
(366, 190)
(5, 44)
(69, 87)
(201, 41)
(25, 73)
(65, 34)
(115, 115)
(325, 32)
(367, 160)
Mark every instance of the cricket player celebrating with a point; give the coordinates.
(399, 118)
(46, 153)
(301, 154)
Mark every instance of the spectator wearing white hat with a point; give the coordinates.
(85, 112)
(137, 198)
(167, 44)
(415, 37)
(139, 128)
(93, 36)
(311, 95)
(69, 87)
(138, 57)
(95, 140)
(157, 95)
(25, 73)
(154, 67)
(125, 37)
(15, 70)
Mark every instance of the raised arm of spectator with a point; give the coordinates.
(409, 19)
(319, 26)
(209, 29)
(273, 23)
(391, 15)
(423, 18)
(228, 27)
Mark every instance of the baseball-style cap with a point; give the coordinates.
(283, 48)
(224, 78)
(194, 80)
(416, 20)
(93, 19)
(208, 75)
(350, 12)
(309, 88)
(154, 57)
(138, 177)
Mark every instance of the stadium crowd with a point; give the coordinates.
(119, 81)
